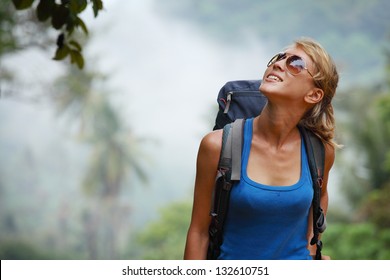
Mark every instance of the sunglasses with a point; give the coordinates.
(294, 64)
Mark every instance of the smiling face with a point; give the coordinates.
(294, 81)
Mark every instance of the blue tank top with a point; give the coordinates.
(267, 222)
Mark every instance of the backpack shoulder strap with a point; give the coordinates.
(229, 165)
(316, 157)
(316, 152)
(229, 169)
(230, 157)
(236, 148)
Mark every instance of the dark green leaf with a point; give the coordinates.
(72, 22)
(22, 4)
(60, 40)
(77, 57)
(76, 45)
(97, 6)
(59, 16)
(77, 6)
(83, 26)
(45, 9)
(61, 53)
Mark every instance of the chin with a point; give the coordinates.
(265, 88)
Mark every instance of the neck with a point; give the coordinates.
(277, 125)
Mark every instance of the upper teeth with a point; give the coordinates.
(274, 78)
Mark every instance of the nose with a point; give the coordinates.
(279, 65)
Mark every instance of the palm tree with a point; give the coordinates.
(114, 153)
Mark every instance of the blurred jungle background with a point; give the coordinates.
(98, 146)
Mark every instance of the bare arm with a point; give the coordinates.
(206, 170)
(329, 160)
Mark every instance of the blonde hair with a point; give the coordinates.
(320, 118)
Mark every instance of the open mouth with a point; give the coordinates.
(274, 77)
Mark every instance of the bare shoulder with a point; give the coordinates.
(207, 161)
(212, 142)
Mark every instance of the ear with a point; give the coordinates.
(314, 96)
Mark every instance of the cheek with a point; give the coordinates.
(299, 85)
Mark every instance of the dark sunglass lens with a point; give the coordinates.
(295, 64)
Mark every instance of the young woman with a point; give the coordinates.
(269, 211)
